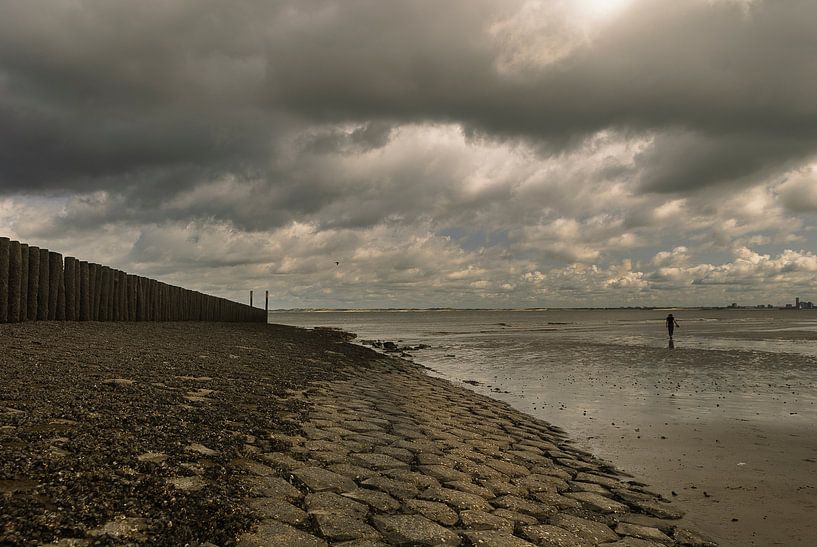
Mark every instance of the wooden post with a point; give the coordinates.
(123, 296)
(148, 299)
(140, 298)
(5, 244)
(101, 285)
(129, 286)
(45, 287)
(107, 286)
(61, 296)
(56, 290)
(77, 288)
(109, 294)
(155, 300)
(84, 292)
(266, 302)
(15, 280)
(97, 293)
(24, 282)
(70, 275)
(115, 304)
(33, 281)
(91, 292)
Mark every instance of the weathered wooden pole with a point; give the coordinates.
(129, 296)
(115, 304)
(61, 293)
(5, 244)
(84, 292)
(161, 301)
(56, 290)
(24, 282)
(266, 301)
(77, 288)
(33, 281)
(110, 295)
(91, 292)
(100, 292)
(95, 271)
(107, 286)
(140, 299)
(15, 281)
(157, 313)
(148, 299)
(107, 293)
(148, 296)
(133, 284)
(123, 296)
(69, 278)
(45, 287)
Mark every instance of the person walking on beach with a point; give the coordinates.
(671, 324)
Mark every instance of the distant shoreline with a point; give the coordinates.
(628, 308)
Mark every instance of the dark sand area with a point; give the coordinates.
(97, 420)
(207, 433)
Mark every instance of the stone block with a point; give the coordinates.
(596, 502)
(379, 501)
(493, 538)
(319, 479)
(480, 520)
(413, 530)
(589, 530)
(329, 502)
(644, 532)
(456, 499)
(546, 535)
(277, 509)
(271, 532)
(343, 527)
(436, 511)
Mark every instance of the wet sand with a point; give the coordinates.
(739, 452)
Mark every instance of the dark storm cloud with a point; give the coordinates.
(150, 99)
(732, 86)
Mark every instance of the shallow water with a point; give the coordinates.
(730, 409)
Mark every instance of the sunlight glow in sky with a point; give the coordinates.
(500, 153)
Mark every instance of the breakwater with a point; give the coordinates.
(41, 285)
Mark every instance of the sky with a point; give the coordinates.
(466, 153)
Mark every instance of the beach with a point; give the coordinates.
(208, 433)
(725, 423)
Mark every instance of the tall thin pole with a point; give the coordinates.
(266, 301)
(251, 299)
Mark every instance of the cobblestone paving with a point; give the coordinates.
(391, 456)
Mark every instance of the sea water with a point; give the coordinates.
(728, 407)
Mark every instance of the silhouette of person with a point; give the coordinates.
(671, 324)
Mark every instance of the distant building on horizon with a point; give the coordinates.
(801, 305)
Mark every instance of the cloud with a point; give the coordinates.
(798, 192)
(440, 148)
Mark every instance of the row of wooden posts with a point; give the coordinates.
(39, 285)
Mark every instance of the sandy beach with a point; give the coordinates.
(726, 422)
(743, 467)
(263, 435)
